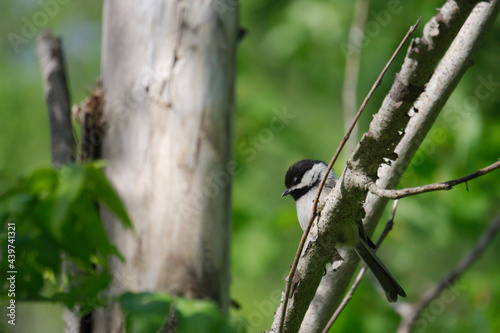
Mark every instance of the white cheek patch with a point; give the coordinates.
(310, 176)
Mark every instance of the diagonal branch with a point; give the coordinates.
(406, 192)
(416, 309)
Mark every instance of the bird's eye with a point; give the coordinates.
(295, 180)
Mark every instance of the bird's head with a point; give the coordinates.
(303, 176)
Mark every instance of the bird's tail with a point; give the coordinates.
(384, 277)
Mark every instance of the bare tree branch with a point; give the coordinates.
(388, 227)
(419, 65)
(330, 165)
(50, 56)
(406, 192)
(416, 309)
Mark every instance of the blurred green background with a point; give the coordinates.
(292, 62)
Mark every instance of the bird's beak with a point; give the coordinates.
(287, 192)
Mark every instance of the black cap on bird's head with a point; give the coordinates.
(302, 176)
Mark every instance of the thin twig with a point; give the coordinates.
(406, 192)
(329, 168)
(359, 277)
(388, 225)
(448, 279)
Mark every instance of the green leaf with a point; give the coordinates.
(99, 185)
(145, 312)
(71, 184)
(41, 182)
(149, 312)
(86, 237)
(199, 316)
(85, 290)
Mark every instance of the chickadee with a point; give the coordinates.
(302, 181)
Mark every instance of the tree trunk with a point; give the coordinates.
(168, 76)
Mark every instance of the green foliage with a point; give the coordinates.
(150, 312)
(293, 57)
(55, 215)
(145, 312)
